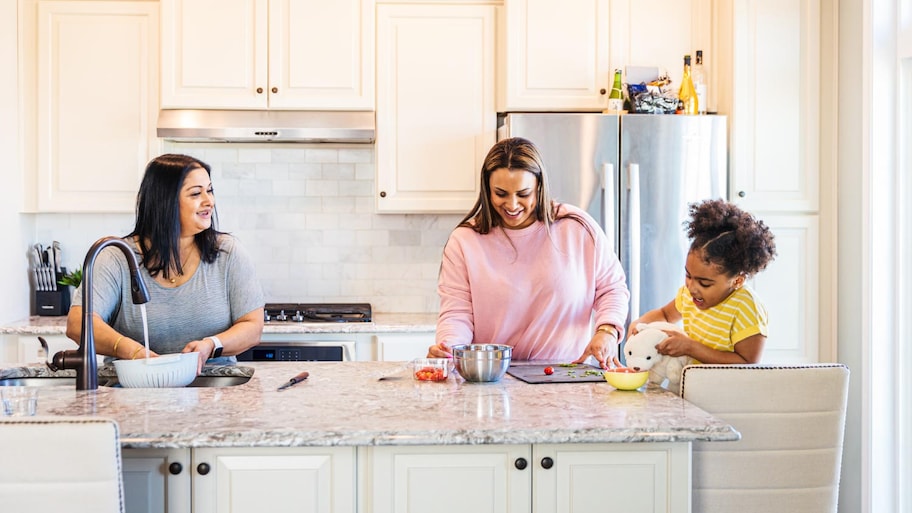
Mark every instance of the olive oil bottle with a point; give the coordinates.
(698, 74)
(616, 96)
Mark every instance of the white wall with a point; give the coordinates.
(306, 213)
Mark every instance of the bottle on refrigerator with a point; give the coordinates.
(698, 73)
(687, 95)
(616, 96)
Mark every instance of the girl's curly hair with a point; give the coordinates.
(724, 235)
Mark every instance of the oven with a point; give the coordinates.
(284, 341)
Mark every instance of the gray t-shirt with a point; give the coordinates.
(216, 296)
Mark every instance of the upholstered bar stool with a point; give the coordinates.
(70, 464)
(792, 421)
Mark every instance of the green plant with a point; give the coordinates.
(73, 278)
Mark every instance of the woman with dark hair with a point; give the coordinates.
(204, 293)
(528, 272)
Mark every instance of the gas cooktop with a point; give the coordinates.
(317, 312)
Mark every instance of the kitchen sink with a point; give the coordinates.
(38, 382)
(200, 381)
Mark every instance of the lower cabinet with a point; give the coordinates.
(156, 480)
(274, 479)
(575, 478)
(572, 478)
(403, 347)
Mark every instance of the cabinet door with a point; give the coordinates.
(286, 479)
(397, 348)
(775, 125)
(214, 54)
(540, 37)
(789, 289)
(634, 478)
(321, 54)
(156, 480)
(659, 33)
(96, 103)
(435, 105)
(450, 479)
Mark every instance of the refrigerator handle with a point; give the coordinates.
(609, 197)
(633, 227)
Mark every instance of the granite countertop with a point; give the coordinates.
(344, 404)
(381, 323)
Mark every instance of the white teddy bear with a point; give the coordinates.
(641, 354)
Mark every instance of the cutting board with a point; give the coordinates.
(535, 373)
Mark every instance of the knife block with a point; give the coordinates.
(53, 302)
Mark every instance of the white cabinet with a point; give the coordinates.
(275, 54)
(435, 105)
(451, 479)
(306, 479)
(90, 85)
(561, 56)
(774, 90)
(646, 478)
(540, 38)
(789, 289)
(403, 347)
(156, 480)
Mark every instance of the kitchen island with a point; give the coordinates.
(399, 441)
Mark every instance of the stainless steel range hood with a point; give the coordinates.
(266, 126)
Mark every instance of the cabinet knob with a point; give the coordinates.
(602, 91)
(547, 463)
(521, 463)
(203, 469)
(175, 468)
(382, 194)
(259, 90)
(275, 90)
(741, 194)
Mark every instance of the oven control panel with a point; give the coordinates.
(292, 353)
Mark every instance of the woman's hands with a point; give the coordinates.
(440, 350)
(604, 348)
(204, 347)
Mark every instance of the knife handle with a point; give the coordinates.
(300, 377)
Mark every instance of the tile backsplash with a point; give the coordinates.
(307, 215)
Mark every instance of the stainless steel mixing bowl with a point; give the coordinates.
(482, 362)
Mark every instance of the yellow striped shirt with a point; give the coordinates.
(736, 318)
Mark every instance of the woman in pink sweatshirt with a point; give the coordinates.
(525, 271)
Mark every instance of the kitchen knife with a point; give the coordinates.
(293, 381)
(57, 257)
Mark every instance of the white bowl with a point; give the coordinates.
(169, 370)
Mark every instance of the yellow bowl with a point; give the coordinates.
(626, 379)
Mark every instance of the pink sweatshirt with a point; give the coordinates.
(543, 295)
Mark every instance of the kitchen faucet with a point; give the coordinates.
(83, 360)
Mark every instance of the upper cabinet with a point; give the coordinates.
(540, 36)
(435, 104)
(268, 54)
(89, 88)
(775, 104)
(561, 56)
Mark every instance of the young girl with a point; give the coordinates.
(724, 320)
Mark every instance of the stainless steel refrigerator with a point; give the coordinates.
(636, 174)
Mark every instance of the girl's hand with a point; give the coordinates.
(677, 344)
(440, 350)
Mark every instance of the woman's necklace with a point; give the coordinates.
(184, 263)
